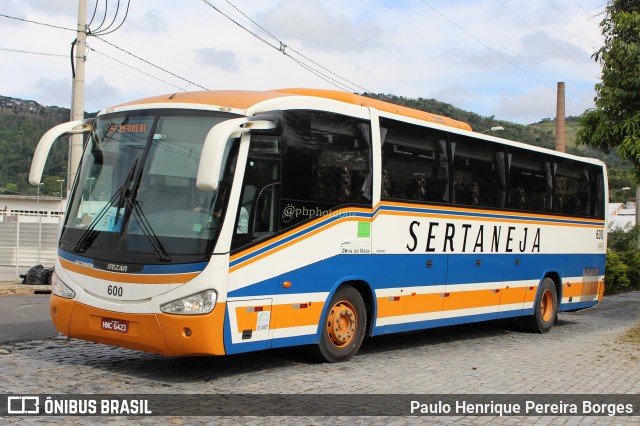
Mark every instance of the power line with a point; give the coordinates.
(32, 53)
(572, 23)
(115, 16)
(38, 23)
(546, 39)
(324, 73)
(104, 41)
(150, 63)
(134, 68)
(528, 74)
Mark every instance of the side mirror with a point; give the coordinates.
(215, 144)
(47, 140)
(213, 150)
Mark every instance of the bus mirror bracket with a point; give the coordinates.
(268, 123)
(213, 150)
(46, 141)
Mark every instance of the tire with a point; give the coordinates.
(343, 326)
(545, 308)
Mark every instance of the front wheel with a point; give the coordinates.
(343, 327)
(545, 308)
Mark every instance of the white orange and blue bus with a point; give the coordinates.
(221, 222)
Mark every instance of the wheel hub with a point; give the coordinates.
(342, 324)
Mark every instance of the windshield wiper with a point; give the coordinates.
(147, 230)
(91, 233)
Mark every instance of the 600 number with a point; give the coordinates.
(114, 290)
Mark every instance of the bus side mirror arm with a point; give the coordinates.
(47, 140)
(215, 145)
(213, 150)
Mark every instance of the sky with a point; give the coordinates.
(500, 58)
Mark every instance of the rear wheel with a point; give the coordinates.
(343, 327)
(545, 308)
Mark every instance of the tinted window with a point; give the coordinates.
(530, 181)
(414, 162)
(479, 177)
(326, 164)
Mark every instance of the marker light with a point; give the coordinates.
(196, 304)
(59, 288)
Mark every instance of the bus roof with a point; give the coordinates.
(243, 99)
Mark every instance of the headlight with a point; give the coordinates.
(196, 304)
(59, 288)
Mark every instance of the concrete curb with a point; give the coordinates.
(12, 288)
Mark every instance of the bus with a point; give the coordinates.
(221, 222)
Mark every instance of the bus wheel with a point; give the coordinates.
(343, 327)
(545, 309)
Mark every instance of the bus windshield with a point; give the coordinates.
(135, 199)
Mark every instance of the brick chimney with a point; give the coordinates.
(561, 137)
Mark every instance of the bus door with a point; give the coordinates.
(253, 284)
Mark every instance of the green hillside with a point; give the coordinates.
(22, 123)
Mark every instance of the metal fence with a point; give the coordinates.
(27, 240)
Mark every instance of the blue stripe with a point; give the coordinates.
(301, 231)
(577, 305)
(298, 234)
(147, 269)
(382, 271)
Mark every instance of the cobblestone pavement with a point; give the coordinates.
(584, 353)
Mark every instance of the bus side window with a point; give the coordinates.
(326, 164)
(414, 162)
(530, 181)
(479, 172)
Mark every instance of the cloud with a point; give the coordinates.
(529, 106)
(313, 25)
(151, 22)
(100, 89)
(53, 91)
(220, 58)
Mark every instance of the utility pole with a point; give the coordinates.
(77, 92)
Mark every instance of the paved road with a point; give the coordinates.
(584, 353)
(25, 318)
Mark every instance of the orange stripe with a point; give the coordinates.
(288, 316)
(485, 211)
(487, 219)
(128, 278)
(290, 243)
(435, 302)
(407, 305)
(511, 295)
(247, 320)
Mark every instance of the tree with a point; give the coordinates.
(614, 123)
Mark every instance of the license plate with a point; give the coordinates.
(112, 324)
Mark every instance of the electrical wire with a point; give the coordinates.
(104, 31)
(134, 68)
(150, 63)
(115, 16)
(121, 23)
(546, 39)
(104, 18)
(572, 23)
(95, 9)
(501, 56)
(33, 53)
(329, 76)
(38, 23)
